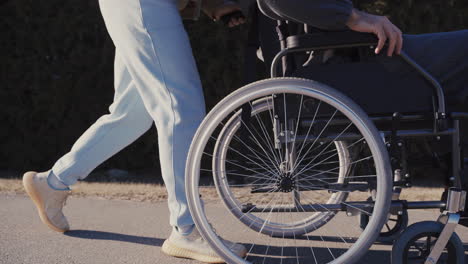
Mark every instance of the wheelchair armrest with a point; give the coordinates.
(323, 40)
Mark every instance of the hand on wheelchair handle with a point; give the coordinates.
(233, 19)
(230, 15)
(380, 26)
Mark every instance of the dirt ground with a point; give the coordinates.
(157, 192)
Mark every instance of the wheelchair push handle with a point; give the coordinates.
(236, 14)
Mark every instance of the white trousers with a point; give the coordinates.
(156, 79)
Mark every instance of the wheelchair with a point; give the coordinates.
(295, 160)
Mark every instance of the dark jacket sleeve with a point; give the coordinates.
(323, 14)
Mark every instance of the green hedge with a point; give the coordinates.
(57, 72)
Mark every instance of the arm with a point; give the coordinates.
(339, 15)
(379, 25)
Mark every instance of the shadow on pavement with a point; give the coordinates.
(99, 235)
(306, 255)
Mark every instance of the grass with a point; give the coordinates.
(118, 191)
(157, 192)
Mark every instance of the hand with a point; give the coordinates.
(228, 9)
(380, 26)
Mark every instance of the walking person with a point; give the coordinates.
(156, 80)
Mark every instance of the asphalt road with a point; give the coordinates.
(106, 231)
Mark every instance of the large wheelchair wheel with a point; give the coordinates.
(237, 204)
(288, 174)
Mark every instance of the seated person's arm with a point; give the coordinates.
(339, 15)
(379, 25)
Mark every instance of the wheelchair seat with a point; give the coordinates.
(379, 84)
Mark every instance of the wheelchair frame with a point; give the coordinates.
(443, 125)
(382, 136)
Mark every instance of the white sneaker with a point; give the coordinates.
(193, 246)
(49, 202)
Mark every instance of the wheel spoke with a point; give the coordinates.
(238, 165)
(354, 162)
(332, 142)
(268, 137)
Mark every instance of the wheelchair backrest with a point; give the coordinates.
(267, 11)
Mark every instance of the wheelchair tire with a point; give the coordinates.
(300, 227)
(407, 250)
(330, 244)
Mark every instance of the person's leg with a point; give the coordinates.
(128, 119)
(158, 56)
(126, 122)
(444, 55)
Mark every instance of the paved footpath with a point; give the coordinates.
(103, 232)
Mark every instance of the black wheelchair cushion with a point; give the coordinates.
(379, 84)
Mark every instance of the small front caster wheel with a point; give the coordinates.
(414, 245)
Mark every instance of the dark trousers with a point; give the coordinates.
(445, 56)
